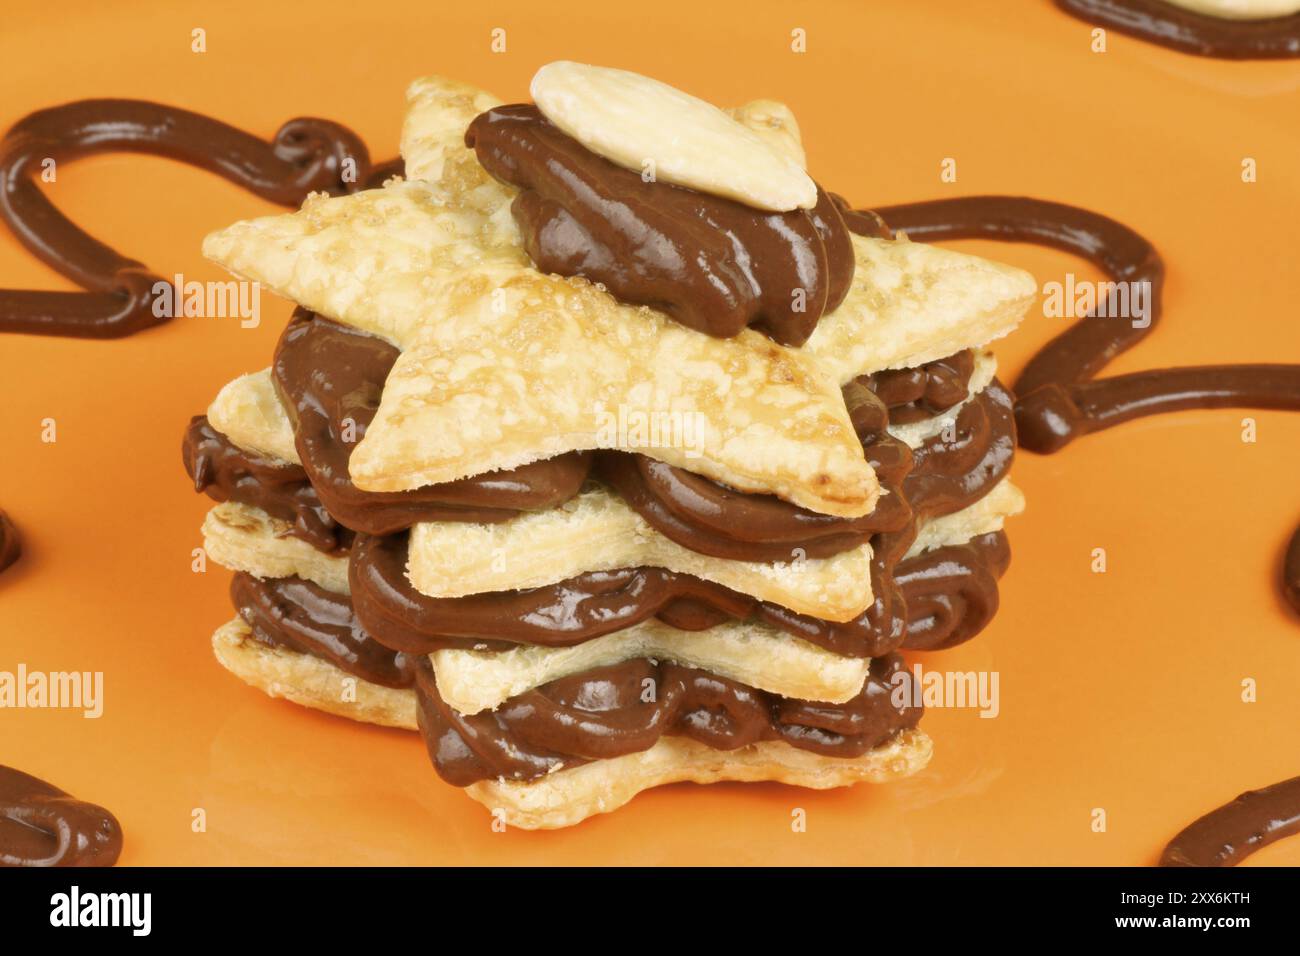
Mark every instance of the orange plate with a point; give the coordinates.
(1120, 691)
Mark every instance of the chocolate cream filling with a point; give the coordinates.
(307, 618)
(625, 708)
(945, 597)
(330, 377)
(711, 263)
(947, 475)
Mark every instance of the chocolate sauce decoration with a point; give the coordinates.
(1058, 400)
(1229, 834)
(11, 544)
(305, 155)
(1155, 21)
(40, 825)
(1291, 571)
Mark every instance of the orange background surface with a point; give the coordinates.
(1119, 691)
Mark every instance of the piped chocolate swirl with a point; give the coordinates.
(711, 263)
(307, 618)
(625, 708)
(225, 472)
(1059, 398)
(330, 379)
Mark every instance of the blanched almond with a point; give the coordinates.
(642, 124)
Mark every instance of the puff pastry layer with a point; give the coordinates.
(571, 796)
(753, 654)
(310, 681)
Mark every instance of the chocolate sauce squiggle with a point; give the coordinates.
(1226, 836)
(40, 825)
(1054, 415)
(11, 545)
(1084, 349)
(1291, 571)
(304, 156)
(1058, 402)
(1273, 38)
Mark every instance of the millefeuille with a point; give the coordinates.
(434, 526)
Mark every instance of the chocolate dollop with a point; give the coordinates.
(711, 263)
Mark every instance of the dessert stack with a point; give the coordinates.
(609, 450)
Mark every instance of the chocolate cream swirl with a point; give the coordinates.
(625, 708)
(711, 263)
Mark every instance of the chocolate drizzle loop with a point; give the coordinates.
(305, 155)
(1057, 400)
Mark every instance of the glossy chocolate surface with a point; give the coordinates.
(711, 263)
(40, 825)
(625, 708)
(1229, 834)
